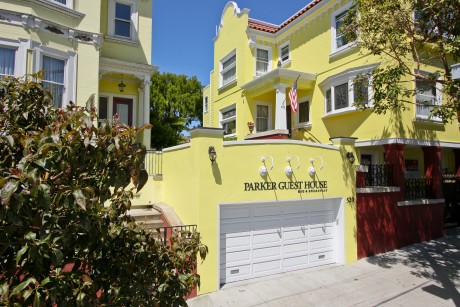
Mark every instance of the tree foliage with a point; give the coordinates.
(408, 36)
(177, 102)
(58, 244)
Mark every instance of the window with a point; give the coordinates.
(427, 96)
(205, 104)
(54, 78)
(339, 41)
(348, 90)
(59, 72)
(7, 60)
(228, 120)
(123, 19)
(263, 117)
(228, 69)
(284, 53)
(66, 3)
(261, 61)
(304, 112)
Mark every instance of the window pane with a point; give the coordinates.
(122, 28)
(228, 114)
(425, 97)
(341, 96)
(229, 127)
(229, 62)
(53, 74)
(103, 107)
(262, 55)
(122, 11)
(340, 38)
(123, 111)
(229, 76)
(285, 53)
(262, 118)
(262, 61)
(304, 116)
(328, 101)
(360, 91)
(7, 61)
(61, 1)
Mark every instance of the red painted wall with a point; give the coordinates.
(383, 226)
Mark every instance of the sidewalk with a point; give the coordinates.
(425, 274)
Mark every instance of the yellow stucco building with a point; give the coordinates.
(327, 184)
(97, 50)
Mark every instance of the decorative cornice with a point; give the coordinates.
(57, 8)
(113, 65)
(34, 23)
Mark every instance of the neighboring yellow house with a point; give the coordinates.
(98, 49)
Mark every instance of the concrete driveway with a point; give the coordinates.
(425, 274)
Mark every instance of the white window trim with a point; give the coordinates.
(299, 124)
(346, 77)
(438, 100)
(269, 68)
(279, 53)
(223, 121)
(20, 57)
(221, 71)
(110, 97)
(134, 20)
(270, 118)
(205, 104)
(70, 73)
(69, 3)
(334, 50)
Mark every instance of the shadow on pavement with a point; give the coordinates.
(438, 261)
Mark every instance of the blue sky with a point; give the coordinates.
(183, 31)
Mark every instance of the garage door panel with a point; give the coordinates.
(236, 212)
(266, 237)
(237, 241)
(321, 244)
(236, 257)
(296, 247)
(321, 258)
(326, 217)
(233, 226)
(236, 273)
(295, 209)
(319, 231)
(320, 206)
(295, 262)
(295, 220)
(266, 224)
(270, 210)
(267, 267)
(266, 252)
(293, 233)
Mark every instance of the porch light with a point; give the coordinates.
(121, 85)
(351, 157)
(212, 154)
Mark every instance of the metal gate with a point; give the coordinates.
(451, 190)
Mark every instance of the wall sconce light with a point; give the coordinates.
(311, 169)
(263, 169)
(351, 157)
(212, 154)
(288, 170)
(121, 85)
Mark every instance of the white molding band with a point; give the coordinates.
(405, 141)
(377, 190)
(421, 201)
(280, 142)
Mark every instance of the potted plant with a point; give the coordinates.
(251, 126)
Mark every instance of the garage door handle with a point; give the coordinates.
(279, 232)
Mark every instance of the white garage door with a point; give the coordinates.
(264, 239)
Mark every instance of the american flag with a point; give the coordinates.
(293, 97)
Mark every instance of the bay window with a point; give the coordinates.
(348, 90)
(123, 20)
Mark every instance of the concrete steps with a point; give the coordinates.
(146, 216)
